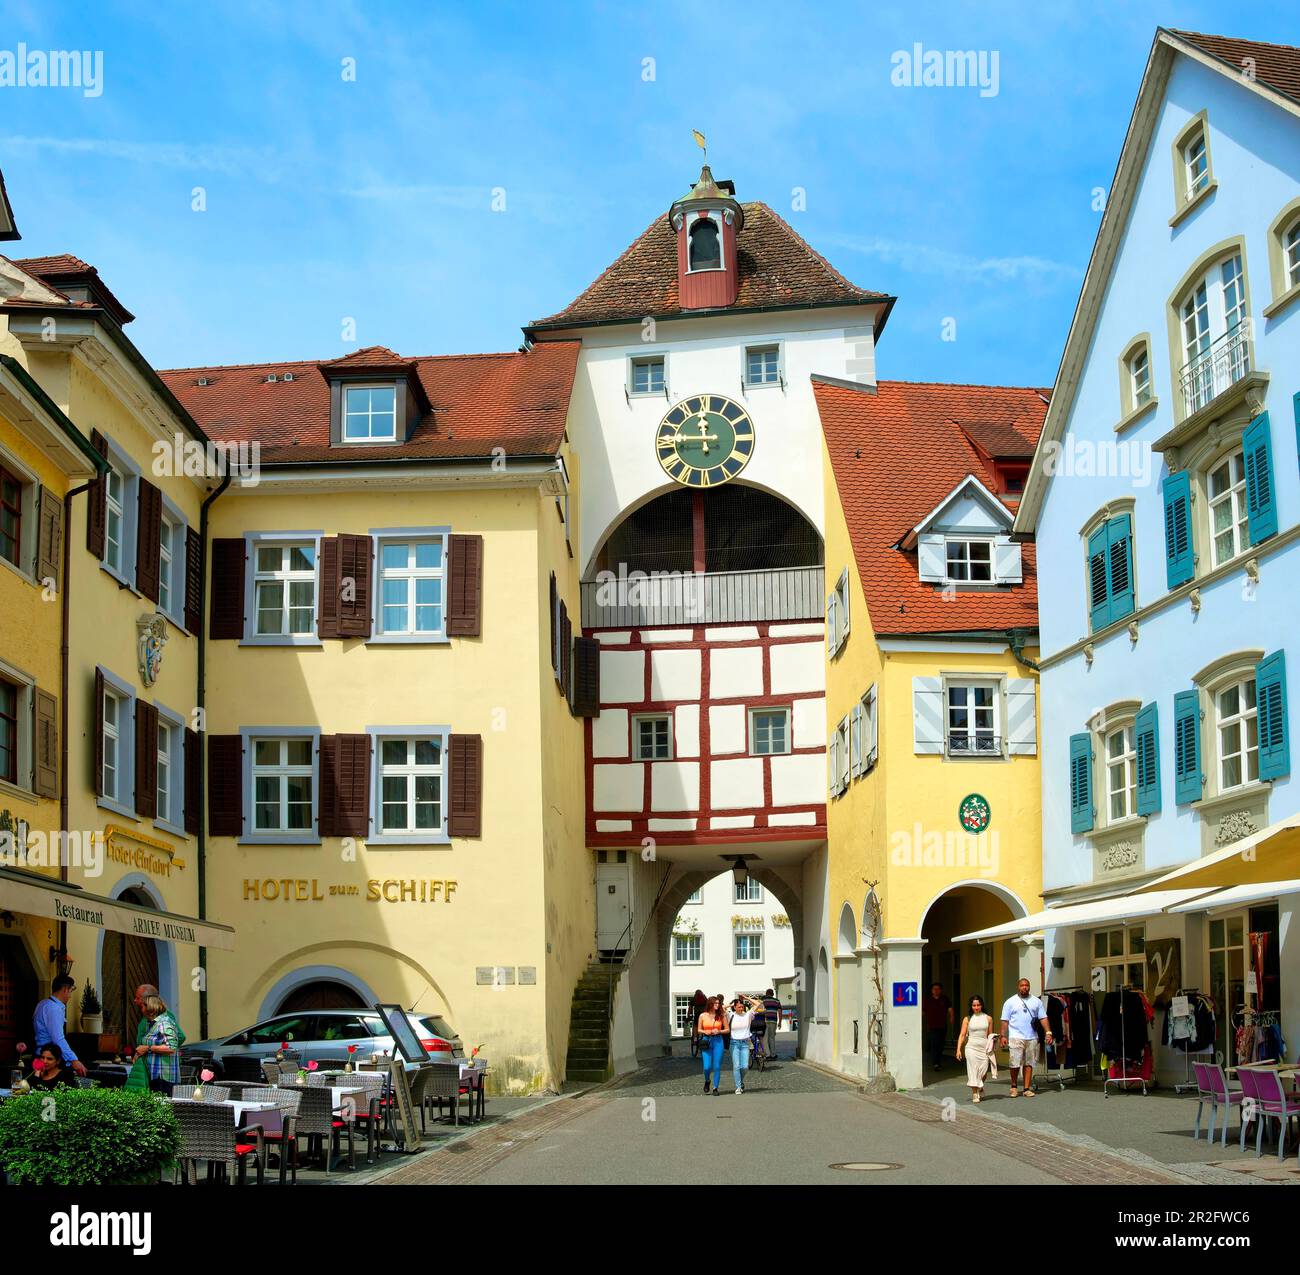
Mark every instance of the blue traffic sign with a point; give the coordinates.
(905, 994)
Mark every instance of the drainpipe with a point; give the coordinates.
(200, 692)
(1018, 639)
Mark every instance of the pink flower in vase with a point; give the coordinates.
(206, 1074)
(38, 1066)
(20, 1049)
(313, 1065)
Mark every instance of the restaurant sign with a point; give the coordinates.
(312, 890)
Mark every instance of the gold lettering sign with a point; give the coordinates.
(310, 890)
(135, 850)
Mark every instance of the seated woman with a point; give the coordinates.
(53, 1072)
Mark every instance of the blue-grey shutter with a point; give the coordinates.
(1180, 561)
(1146, 742)
(1274, 736)
(1188, 780)
(927, 715)
(1081, 816)
(1119, 541)
(1098, 586)
(1022, 727)
(1261, 499)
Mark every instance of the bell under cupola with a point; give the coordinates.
(707, 223)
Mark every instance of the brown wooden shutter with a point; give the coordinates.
(49, 537)
(464, 586)
(586, 677)
(354, 553)
(45, 774)
(566, 651)
(465, 796)
(97, 747)
(193, 781)
(146, 759)
(228, 566)
(148, 537)
(555, 606)
(225, 785)
(327, 604)
(345, 786)
(193, 580)
(97, 504)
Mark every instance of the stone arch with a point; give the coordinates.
(168, 965)
(822, 987)
(849, 1030)
(1009, 897)
(847, 939)
(304, 974)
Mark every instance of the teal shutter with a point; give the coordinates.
(1098, 589)
(1180, 561)
(1270, 696)
(1081, 783)
(1146, 742)
(1119, 544)
(1188, 782)
(1261, 500)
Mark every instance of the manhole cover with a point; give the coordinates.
(865, 1166)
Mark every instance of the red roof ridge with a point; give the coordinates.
(415, 358)
(969, 385)
(1235, 39)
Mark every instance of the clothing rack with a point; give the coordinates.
(1187, 1085)
(1063, 1073)
(1124, 1078)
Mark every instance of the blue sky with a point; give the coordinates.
(371, 199)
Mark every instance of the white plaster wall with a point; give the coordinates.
(674, 675)
(727, 729)
(616, 787)
(809, 722)
(798, 780)
(687, 730)
(622, 677)
(673, 786)
(609, 733)
(737, 785)
(798, 666)
(736, 672)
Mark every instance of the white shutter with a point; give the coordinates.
(844, 753)
(832, 763)
(842, 600)
(1006, 562)
(832, 627)
(1022, 732)
(855, 741)
(932, 558)
(870, 732)
(927, 714)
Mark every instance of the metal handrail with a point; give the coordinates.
(1225, 362)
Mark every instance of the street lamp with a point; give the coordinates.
(739, 873)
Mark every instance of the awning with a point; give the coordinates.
(47, 896)
(1272, 854)
(1097, 912)
(1239, 896)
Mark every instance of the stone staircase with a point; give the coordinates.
(589, 1025)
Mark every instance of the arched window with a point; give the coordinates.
(705, 246)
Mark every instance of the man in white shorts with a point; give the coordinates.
(1019, 1015)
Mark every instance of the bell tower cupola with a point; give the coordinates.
(707, 222)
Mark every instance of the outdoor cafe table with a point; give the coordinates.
(237, 1108)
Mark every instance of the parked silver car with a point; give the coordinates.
(322, 1035)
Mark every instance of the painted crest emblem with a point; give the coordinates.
(974, 813)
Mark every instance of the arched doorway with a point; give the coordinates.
(321, 994)
(848, 987)
(17, 997)
(126, 962)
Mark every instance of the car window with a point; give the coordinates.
(293, 1027)
(342, 1027)
(438, 1026)
(375, 1025)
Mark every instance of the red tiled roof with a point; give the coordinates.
(63, 270)
(896, 455)
(516, 401)
(776, 266)
(1003, 439)
(367, 357)
(1277, 65)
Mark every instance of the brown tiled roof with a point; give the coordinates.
(776, 266)
(1004, 439)
(367, 357)
(896, 455)
(1277, 65)
(516, 401)
(64, 270)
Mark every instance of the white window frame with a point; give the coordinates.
(682, 1003)
(409, 535)
(1195, 182)
(123, 800)
(764, 347)
(750, 939)
(715, 217)
(128, 509)
(1138, 366)
(637, 719)
(371, 438)
(1234, 496)
(1291, 256)
(837, 615)
(695, 896)
(696, 940)
(299, 836)
(25, 744)
(255, 540)
(408, 734)
(753, 891)
(176, 581)
(967, 543)
(994, 687)
(864, 738)
(174, 725)
(1126, 761)
(644, 358)
(780, 710)
(1242, 718)
(837, 756)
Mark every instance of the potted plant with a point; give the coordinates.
(92, 1012)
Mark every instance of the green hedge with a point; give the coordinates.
(86, 1137)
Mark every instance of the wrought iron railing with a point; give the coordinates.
(1225, 362)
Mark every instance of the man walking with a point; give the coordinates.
(49, 1018)
(772, 1008)
(1021, 1016)
(936, 1015)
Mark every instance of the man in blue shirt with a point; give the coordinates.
(1021, 1016)
(49, 1019)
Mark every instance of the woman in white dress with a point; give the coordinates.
(976, 1041)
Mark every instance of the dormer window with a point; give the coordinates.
(970, 561)
(369, 414)
(705, 246)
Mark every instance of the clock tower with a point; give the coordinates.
(707, 223)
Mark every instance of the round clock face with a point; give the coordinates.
(704, 440)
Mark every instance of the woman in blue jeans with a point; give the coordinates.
(741, 1019)
(713, 1026)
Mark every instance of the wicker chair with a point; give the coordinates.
(444, 1084)
(372, 1114)
(205, 1093)
(208, 1133)
(281, 1129)
(318, 1123)
(271, 1071)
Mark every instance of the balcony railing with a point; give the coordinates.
(648, 599)
(1222, 365)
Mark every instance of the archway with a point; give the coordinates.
(126, 962)
(18, 995)
(316, 987)
(848, 987)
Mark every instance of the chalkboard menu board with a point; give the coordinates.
(404, 1106)
(403, 1034)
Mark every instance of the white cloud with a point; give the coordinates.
(223, 159)
(932, 259)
